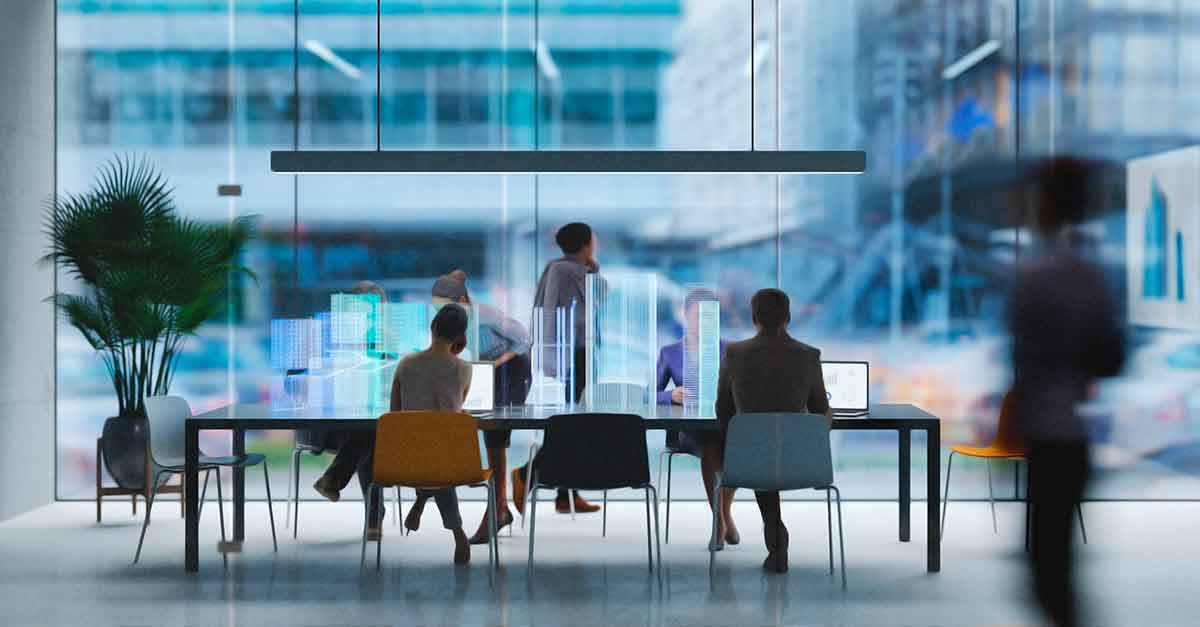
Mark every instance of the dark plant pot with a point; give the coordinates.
(123, 444)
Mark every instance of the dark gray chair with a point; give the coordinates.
(595, 452)
(166, 416)
(779, 451)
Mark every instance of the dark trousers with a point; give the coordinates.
(356, 454)
(1058, 473)
(768, 507)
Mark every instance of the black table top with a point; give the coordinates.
(261, 416)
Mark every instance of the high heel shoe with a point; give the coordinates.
(412, 521)
(481, 535)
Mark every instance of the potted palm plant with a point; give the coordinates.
(149, 279)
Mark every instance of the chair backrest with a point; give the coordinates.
(777, 451)
(427, 449)
(594, 452)
(166, 416)
(1007, 438)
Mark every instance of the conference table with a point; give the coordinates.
(242, 417)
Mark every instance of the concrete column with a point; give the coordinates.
(27, 181)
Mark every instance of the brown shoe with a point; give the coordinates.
(563, 506)
(324, 487)
(412, 521)
(518, 490)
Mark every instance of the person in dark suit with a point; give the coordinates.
(1066, 334)
(771, 372)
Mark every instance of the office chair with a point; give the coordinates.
(779, 451)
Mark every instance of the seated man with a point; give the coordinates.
(434, 379)
(771, 372)
(703, 444)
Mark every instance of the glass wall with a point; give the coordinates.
(905, 266)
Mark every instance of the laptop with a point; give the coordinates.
(848, 385)
(481, 396)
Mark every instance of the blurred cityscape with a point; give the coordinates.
(905, 266)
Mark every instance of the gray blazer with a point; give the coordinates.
(770, 374)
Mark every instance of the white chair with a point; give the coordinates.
(779, 451)
(166, 416)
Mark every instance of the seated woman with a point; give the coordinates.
(703, 444)
(505, 343)
(434, 379)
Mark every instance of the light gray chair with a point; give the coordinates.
(779, 451)
(166, 416)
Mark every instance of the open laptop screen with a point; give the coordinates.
(481, 396)
(847, 385)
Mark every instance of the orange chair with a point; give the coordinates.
(430, 450)
(1006, 445)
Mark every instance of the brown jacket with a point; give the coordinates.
(770, 374)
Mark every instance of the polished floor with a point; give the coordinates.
(57, 567)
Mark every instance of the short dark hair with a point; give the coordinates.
(771, 308)
(571, 238)
(450, 323)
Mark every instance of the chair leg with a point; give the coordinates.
(946, 497)
(670, 463)
(829, 522)
(270, 506)
(396, 511)
(716, 509)
(203, 493)
(372, 495)
(649, 540)
(841, 538)
(221, 516)
(1082, 528)
(604, 516)
(146, 523)
(293, 470)
(991, 495)
(531, 504)
(533, 448)
(492, 517)
(296, 497)
(657, 537)
(362, 558)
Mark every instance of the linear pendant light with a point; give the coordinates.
(539, 161)
(568, 161)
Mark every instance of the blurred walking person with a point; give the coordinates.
(1065, 334)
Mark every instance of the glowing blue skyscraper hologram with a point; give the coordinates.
(622, 342)
(701, 350)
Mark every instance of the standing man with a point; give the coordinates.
(770, 372)
(564, 285)
(1065, 335)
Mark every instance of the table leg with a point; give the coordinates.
(905, 473)
(239, 488)
(191, 536)
(933, 488)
